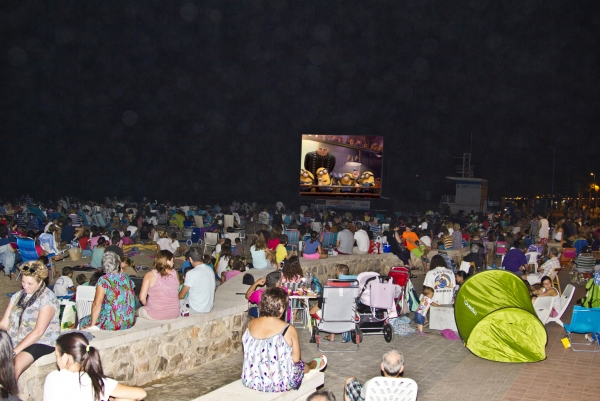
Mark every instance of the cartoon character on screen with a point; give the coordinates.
(347, 181)
(367, 180)
(323, 180)
(306, 178)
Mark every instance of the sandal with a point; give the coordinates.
(322, 359)
(328, 339)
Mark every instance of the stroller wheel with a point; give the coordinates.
(356, 335)
(388, 333)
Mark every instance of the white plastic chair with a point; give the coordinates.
(532, 259)
(84, 295)
(391, 389)
(543, 308)
(210, 240)
(564, 301)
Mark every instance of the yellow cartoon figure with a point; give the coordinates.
(306, 178)
(323, 179)
(347, 180)
(367, 179)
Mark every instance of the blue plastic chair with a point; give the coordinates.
(584, 321)
(27, 250)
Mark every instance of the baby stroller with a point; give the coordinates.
(375, 305)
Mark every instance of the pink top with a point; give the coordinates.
(163, 297)
(231, 273)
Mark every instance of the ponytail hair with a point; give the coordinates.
(88, 358)
(313, 236)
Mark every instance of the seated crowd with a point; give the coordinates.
(31, 328)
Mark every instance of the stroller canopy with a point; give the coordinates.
(496, 319)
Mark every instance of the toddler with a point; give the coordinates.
(64, 285)
(421, 312)
(82, 280)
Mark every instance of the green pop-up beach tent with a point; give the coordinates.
(496, 319)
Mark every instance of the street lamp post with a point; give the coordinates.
(595, 197)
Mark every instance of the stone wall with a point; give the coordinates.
(325, 268)
(158, 356)
(153, 350)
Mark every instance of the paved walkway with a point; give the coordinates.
(444, 369)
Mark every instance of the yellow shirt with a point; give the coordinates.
(280, 253)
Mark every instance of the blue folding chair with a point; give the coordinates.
(27, 251)
(84, 218)
(329, 240)
(37, 212)
(293, 238)
(584, 321)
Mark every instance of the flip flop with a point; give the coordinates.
(413, 275)
(320, 359)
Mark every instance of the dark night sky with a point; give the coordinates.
(208, 100)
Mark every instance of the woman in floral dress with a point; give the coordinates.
(272, 361)
(114, 303)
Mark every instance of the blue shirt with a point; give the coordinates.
(311, 248)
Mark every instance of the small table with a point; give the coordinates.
(306, 307)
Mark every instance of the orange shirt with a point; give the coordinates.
(412, 237)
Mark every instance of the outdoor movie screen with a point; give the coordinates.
(341, 166)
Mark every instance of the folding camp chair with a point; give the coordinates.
(563, 304)
(568, 254)
(293, 238)
(583, 268)
(227, 221)
(210, 240)
(232, 237)
(84, 297)
(338, 312)
(391, 388)
(584, 321)
(27, 251)
(37, 212)
(199, 221)
(501, 250)
(329, 240)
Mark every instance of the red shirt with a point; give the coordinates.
(83, 242)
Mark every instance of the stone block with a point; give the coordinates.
(160, 363)
(194, 332)
(142, 366)
(174, 363)
(217, 330)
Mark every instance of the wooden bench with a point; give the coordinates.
(237, 391)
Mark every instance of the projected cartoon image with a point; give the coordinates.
(341, 165)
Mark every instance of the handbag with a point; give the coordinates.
(75, 254)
